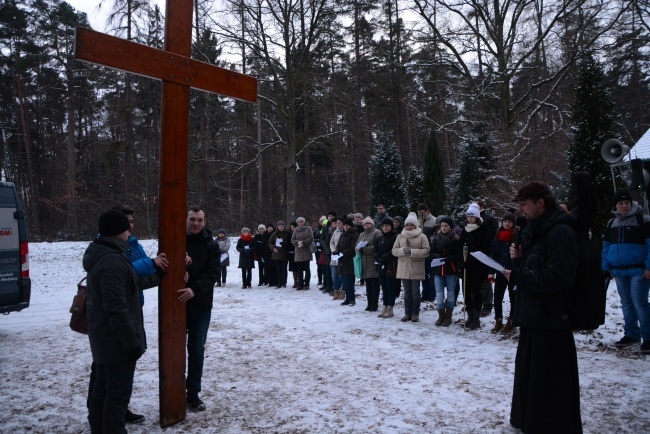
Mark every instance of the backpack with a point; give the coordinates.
(589, 290)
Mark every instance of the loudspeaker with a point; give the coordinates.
(613, 151)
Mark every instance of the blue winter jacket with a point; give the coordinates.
(142, 264)
(626, 244)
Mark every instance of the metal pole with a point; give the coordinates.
(465, 252)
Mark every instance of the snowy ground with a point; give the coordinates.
(279, 360)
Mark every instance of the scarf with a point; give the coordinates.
(471, 227)
(247, 237)
(506, 235)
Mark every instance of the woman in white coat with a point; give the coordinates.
(411, 249)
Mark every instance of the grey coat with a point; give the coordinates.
(306, 235)
(368, 254)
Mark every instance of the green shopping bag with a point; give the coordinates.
(358, 266)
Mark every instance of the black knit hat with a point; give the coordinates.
(348, 222)
(510, 217)
(386, 221)
(113, 223)
(446, 219)
(621, 195)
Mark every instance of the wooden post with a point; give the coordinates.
(178, 73)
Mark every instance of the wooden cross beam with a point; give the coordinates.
(178, 73)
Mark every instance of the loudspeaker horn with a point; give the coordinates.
(613, 151)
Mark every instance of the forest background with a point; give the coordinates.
(360, 102)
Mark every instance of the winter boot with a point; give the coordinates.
(476, 323)
(415, 317)
(441, 317)
(383, 311)
(389, 312)
(508, 328)
(406, 318)
(498, 325)
(447, 320)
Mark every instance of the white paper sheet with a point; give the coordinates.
(336, 257)
(278, 242)
(438, 261)
(487, 260)
(224, 256)
(361, 244)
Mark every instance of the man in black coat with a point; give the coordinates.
(204, 271)
(546, 392)
(115, 324)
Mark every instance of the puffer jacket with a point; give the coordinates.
(545, 273)
(626, 244)
(304, 234)
(411, 267)
(368, 255)
(115, 324)
(386, 262)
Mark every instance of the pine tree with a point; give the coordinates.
(465, 182)
(593, 123)
(387, 179)
(415, 187)
(434, 180)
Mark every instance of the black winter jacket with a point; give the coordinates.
(204, 271)
(346, 245)
(115, 324)
(450, 248)
(246, 257)
(387, 263)
(545, 273)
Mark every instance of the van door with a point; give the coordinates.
(15, 285)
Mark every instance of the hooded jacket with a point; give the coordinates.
(626, 243)
(115, 324)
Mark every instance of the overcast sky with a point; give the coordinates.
(97, 17)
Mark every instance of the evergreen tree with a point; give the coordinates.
(415, 187)
(387, 179)
(434, 192)
(465, 182)
(593, 123)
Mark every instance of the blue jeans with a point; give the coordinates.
(197, 323)
(634, 302)
(443, 282)
(337, 279)
(348, 286)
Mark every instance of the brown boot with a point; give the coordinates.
(441, 317)
(507, 329)
(498, 325)
(447, 320)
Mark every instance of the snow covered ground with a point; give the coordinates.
(287, 361)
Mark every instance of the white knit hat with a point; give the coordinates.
(368, 220)
(412, 218)
(473, 211)
(261, 227)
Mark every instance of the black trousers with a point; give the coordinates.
(246, 276)
(110, 396)
(281, 272)
(304, 273)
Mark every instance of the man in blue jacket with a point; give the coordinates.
(626, 257)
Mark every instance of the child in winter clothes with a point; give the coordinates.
(246, 249)
(501, 253)
(224, 247)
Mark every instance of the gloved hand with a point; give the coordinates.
(491, 278)
(607, 274)
(407, 251)
(299, 243)
(246, 247)
(361, 250)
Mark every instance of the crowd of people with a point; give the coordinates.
(424, 256)
(421, 255)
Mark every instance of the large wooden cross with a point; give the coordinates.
(178, 73)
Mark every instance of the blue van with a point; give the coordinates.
(15, 284)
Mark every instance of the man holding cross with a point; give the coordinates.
(204, 271)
